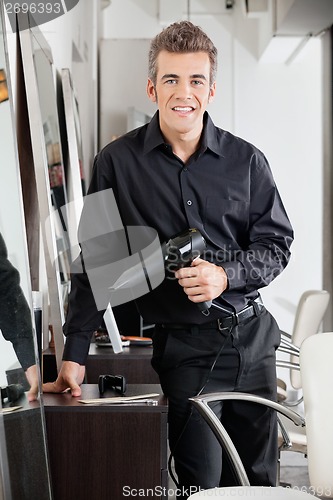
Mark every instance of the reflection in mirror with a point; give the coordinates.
(49, 170)
(48, 108)
(24, 471)
(71, 139)
(74, 137)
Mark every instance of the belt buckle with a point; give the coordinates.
(220, 325)
(234, 321)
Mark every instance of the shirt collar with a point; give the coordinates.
(209, 136)
(154, 137)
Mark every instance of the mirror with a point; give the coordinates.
(75, 167)
(49, 170)
(24, 471)
(71, 138)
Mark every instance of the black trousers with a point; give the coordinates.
(239, 359)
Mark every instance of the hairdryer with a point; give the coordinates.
(12, 392)
(181, 250)
(178, 252)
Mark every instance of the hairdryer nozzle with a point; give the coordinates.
(181, 250)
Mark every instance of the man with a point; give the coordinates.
(180, 172)
(15, 320)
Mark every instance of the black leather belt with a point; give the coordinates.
(255, 309)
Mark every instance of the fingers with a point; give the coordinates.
(75, 375)
(189, 277)
(75, 390)
(193, 270)
(55, 387)
(202, 281)
(32, 394)
(58, 387)
(186, 275)
(31, 374)
(70, 377)
(197, 262)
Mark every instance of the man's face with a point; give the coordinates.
(182, 91)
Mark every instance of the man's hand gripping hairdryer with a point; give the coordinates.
(181, 250)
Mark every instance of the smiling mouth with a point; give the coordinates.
(183, 109)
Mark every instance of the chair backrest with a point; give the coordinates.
(309, 315)
(316, 361)
(202, 404)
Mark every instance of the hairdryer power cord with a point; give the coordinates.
(191, 411)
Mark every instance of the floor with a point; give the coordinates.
(294, 470)
(293, 473)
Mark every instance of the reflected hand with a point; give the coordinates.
(71, 376)
(32, 377)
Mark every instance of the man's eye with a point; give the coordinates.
(197, 82)
(170, 82)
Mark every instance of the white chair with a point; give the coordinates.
(201, 403)
(309, 315)
(316, 361)
(316, 358)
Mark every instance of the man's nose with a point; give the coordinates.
(184, 91)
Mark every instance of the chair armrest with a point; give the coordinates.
(285, 335)
(285, 401)
(289, 351)
(293, 366)
(288, 344)
(201, 404)
(287, 364)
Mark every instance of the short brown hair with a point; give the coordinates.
(182, 37)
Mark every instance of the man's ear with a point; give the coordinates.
(212, 91)
(151, 92)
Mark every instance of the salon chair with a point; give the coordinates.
(317, 375)
(316, 368)
(201, 403)
(309, 315)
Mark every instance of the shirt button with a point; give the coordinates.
(189, 202)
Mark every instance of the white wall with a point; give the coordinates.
(275, 106)
(278, 108)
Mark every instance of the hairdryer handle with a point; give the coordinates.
(205, 306)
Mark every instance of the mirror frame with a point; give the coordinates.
(27, 37)
(19, 417)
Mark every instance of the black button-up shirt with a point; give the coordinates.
(15, 315)
(225, 190)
